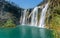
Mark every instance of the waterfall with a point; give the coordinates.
(34, 17)
(24, 17)
(42, 18)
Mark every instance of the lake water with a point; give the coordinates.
(25, 32)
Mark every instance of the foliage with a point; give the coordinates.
(9, 23)
(55, 25)
(57, 9)
(54, 21)
(1, 23)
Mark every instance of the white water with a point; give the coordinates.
(24, 17)
(42, 18)
(34, 17)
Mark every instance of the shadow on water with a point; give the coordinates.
(25, 32)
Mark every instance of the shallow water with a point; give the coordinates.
(25, 32)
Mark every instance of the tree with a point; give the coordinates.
(9, 23)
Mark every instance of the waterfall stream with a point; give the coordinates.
(34, 15)
(24, 17)
(43, 14)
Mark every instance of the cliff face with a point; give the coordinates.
(53, 19)
(54, 13)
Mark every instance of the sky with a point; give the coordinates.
(26, 3)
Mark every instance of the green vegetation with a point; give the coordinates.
(1, 23)
(9, 23)
(54, 17)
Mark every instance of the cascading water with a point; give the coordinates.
(24, 17)
(34, 17)
(42, 18)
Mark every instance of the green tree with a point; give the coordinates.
(1, 23)
(9, 23)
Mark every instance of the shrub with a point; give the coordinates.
(9, 23)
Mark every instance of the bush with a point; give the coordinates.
(9, 23)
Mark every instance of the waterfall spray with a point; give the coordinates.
(42, 18)
(34, 17)
(24, 17)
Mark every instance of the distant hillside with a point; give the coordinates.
(10, 10)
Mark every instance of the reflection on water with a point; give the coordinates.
(25, 32)
(42, 33)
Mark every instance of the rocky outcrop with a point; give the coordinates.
(53, 14)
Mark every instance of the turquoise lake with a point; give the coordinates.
(26, 32)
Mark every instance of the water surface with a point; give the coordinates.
(25, 32)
